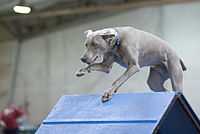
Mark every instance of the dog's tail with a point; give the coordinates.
(183, 65)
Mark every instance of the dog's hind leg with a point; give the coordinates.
(157, 76)
(176, 75)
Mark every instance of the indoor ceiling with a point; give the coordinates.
(49, 14)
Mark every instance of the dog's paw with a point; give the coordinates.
(106, 97)
(80, 73)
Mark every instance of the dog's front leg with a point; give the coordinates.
(105, 66)
(82, 72)
(132, 69)
(94, 67)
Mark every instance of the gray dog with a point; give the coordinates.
(132, 49)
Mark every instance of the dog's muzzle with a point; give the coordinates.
(84, 60)
(95, 59)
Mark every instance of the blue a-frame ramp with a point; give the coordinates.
(133, 113)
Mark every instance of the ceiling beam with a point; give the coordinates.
(97, 8)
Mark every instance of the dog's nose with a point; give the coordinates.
(83, 59)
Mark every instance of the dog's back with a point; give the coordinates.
(151, 49)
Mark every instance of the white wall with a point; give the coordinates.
(7, 61)
(48, 63)
(181, 27)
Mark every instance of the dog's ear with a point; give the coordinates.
(109, 38)
(98, 39)
(88, 33)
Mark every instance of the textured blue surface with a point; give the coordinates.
(125, 113)
(141, 128)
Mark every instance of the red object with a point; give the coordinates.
(10, 115)
(0, 116)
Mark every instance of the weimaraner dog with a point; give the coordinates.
(132, 49)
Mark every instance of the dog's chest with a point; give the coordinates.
(120, 58)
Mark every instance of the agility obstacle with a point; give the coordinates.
(132, 113)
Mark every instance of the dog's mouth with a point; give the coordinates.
(95, 58)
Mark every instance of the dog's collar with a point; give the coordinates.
(117, 41)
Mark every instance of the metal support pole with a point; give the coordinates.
(14, 73)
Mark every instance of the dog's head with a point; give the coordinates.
(97, 44)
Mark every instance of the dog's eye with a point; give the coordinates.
(86, 45)
(94, 44)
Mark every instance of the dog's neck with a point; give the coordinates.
(115, 50)
(117, 43)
